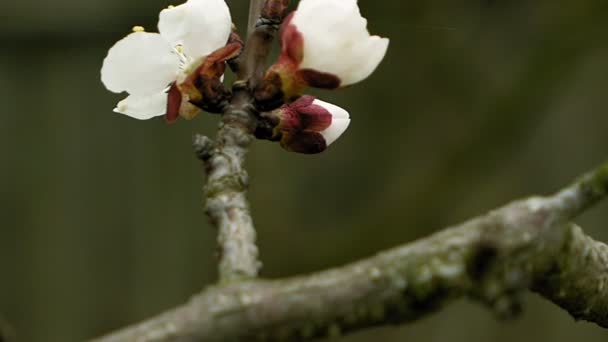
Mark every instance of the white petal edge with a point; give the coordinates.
(375, 50)
(200, 26)
(141, 63)
(339, 123)
(143, 107)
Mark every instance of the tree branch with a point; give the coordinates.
(578, 279)
(492, 258)
(224, 159)
(226, 189)
(262, 30)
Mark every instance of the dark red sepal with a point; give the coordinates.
(318, 79)
(268, 94)
(304, 142)
(292, 42)
(311, 117)
(174, 102)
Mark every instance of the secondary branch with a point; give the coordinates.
(528, 244)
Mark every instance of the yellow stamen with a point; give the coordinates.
(138, 29)
(170, 7)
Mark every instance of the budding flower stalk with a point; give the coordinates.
(179, 71)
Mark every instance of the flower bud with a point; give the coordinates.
(309, 125)
(201, 86)
(274, 10)
(324, 44)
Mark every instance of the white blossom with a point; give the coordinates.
(145, 64)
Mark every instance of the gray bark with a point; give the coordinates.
(528, 244)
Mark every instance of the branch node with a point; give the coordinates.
(203, 147)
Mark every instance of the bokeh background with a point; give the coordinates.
(476, 104)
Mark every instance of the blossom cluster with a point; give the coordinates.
(178, 72)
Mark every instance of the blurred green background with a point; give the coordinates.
(476, 104)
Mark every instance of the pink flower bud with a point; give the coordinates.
(309, 125)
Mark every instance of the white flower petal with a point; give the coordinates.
(336, 39)
(141, 63)
(339, 123)
(143, 107)
(200, 26)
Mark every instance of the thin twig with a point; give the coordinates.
(255, 7)
(226, 191)
(492, 258)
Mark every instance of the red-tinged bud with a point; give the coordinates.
(285, 80)
(202, 86)
(324, 44)
(309, 125)
(274, 10)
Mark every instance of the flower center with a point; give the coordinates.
(183, 59)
